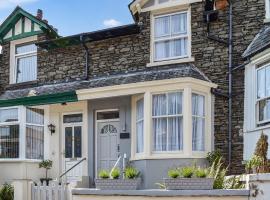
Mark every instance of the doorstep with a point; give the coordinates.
(162, 193)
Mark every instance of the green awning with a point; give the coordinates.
(41, 100)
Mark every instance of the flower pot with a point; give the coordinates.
(117, 184)
(221, 4)
(189, 183)
(45, 181)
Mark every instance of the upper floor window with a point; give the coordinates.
(170, 36)
(26, 63)
(263, 94)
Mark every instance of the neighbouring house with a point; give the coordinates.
(154, 91)
(257, 87)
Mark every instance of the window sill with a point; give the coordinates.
(19, 161)
(170, 62)
(22, 85)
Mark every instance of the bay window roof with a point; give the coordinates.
(19, 96)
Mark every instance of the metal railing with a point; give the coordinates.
(63, 174)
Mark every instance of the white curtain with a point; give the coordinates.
(198, 122)
(34, 133)
(166, 28)
(140, 126)
(167, 124)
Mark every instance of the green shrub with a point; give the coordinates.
(7, 192)
(115, 174)
(213, 156)
(187, 172)
(217, 172)
(173, 173)
(131, 173)
(233, 182)
(200, 173)
(104, 174)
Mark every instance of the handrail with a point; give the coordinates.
(63, 174)
(115, 165)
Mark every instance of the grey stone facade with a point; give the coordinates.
(132, 53)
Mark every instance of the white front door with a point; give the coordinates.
(108, 143)
(73, 145)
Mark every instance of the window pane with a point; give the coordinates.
(140, 109)
(26, 48)
(174, 103)
(261, 83)
(178, 47)
(140, 137)
(68, 142)
(198, 132)
(267, 79)
(179, 24)
(162, 50)
(78, 142)
(108, 115)
(175, 134)
(264, 110)
(9, 141)
(26, 69)
(162, 26)
(76, 118)
(198, 105)
(160, 134)
(34, 142)
(35, 116)
(159, 105)
(8, 115)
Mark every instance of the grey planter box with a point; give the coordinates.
(189, 183)
(117, 184)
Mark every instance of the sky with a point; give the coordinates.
(74, 16)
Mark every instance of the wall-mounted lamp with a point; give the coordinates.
(51, 128)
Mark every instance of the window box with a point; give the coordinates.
(189, 183)
(117, 184)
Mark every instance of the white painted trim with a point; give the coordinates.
(267, 11)
(13, 65)
(140, 88)
(169, 62)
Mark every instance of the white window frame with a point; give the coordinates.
(22, 134)
(267, 10)
(167, 118)
(258, 122)
(171, 60)
(13, 60)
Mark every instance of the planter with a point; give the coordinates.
(189, 183)
(117, 184)
(45, 180)
(221, 4)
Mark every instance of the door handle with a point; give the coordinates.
(118, 148)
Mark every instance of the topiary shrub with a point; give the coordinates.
(262, 149)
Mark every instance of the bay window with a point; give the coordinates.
(263, 94)
(170, 39)
(198, 122)
(167, 122)
(22, 129)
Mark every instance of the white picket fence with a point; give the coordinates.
(54, 191)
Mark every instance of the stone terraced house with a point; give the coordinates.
(154, 92)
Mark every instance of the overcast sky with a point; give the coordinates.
(74, 16)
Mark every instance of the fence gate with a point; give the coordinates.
(53, 191)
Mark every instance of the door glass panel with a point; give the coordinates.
(75, 118)
(78, 142)
(68, 142)
(108, 115)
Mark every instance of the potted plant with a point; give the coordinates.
(113, 181)
(188, 178)
(47, 165)
(221, 4)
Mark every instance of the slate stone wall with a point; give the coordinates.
(132, 53)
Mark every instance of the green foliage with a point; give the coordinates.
(187, 172)
(7, 192)
(217, 172)
(131, 173)
(173, 173)
(213, 156)
(233, 182)
(256, 161)
(104, 174)
(200, 173)
(262, 148)
(47, 165)
(115, 173)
